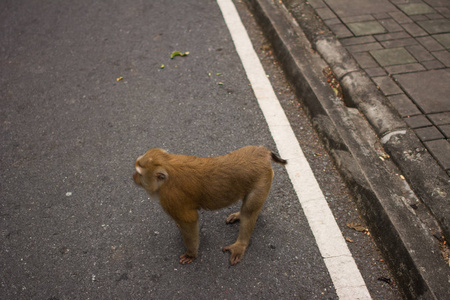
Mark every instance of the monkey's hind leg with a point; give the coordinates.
(250, 209)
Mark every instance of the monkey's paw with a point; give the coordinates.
(186, 259)
(237, 252)
(233, 217)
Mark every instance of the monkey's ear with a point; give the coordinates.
(161, 175)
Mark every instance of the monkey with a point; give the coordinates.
(185, 184)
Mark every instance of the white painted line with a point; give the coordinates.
(344, 273)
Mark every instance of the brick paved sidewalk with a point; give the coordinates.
(404, 47)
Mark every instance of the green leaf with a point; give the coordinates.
(177, 53)
(336, 91)
(163, 66)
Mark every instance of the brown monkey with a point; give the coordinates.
(185, 184)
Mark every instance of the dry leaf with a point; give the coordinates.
(357, 227)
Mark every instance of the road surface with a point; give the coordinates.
(87, 87)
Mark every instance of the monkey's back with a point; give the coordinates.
(214, 182)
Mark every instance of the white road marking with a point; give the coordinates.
(344, 273)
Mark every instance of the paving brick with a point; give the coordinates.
(387, 85)
(355, 19)
(433, 65)
(408, 68)
(443, 39)
(381, 16)
(416, 9)
(444, 11)
(429, 90)
(442, 118)
(399, 43)
(394, 56)
(414, 30)
(347, 8)
(374, 72)
(400, 17)
(357, 40)
(429, 133)
(366, 28)
(420, 53)
(441, 151)
(419, 18)
(446, 130)
(435, 3)
(392, 36)
(443, 57)
(365, 60)
(341, 31)
(332, 21)
(417, 121)
(316, 3)
(435, 16)
(391, 25)
(435, 26)
(325, 13)
(430, 43)
(404, 105)
(364, 47)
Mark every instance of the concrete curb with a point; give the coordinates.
(357, 141)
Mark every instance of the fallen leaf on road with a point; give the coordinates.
(333, 82)
(348, 239)
(336, 91)
(357, 227)
(119, 79)
(265, 47)
(177, 53)
(384, 157)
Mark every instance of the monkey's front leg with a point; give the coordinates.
(189, 231)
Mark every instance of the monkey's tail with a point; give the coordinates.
(277, 159)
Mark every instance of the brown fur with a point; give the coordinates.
(185, 184)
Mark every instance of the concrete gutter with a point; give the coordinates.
(402, 215)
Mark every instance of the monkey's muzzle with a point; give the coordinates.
(137, 178)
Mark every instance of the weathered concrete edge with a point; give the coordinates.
(432, 183)
(410, 250)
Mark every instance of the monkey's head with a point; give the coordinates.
(150, 172)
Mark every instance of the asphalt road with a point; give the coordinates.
(73, 224)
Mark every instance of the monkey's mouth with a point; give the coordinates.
(137, 179)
